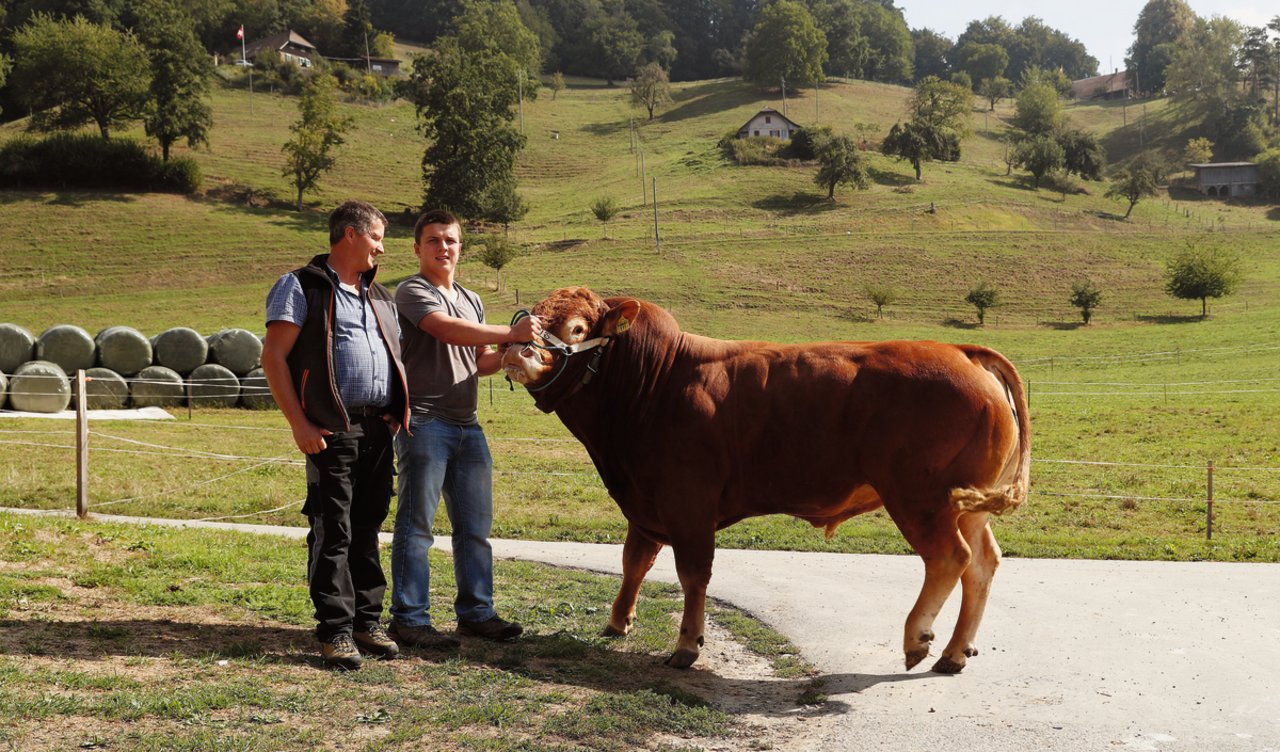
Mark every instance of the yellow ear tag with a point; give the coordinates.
(623, 325)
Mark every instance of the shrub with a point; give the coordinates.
(756, 150)
(70, 160)
(807, 142)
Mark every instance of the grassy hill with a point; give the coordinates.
(747, 252)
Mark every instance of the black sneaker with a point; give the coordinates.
(494, 628)
(340, 652)
(376, 641)
(425, 636)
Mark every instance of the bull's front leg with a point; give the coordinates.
(693, 566)
(638, 555)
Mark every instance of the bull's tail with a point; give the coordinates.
(1015, 481)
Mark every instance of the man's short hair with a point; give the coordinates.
(433, 217)
(358, 214)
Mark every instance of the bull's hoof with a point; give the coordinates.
(970, 651)
(682, 658)
(947, 666)
(915, 656)
(612, 631)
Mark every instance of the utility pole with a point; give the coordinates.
(784, 95)
(520, 97)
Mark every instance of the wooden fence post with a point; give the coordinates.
(1208, 528)
(82, 447)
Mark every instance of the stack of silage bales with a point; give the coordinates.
(127, 369)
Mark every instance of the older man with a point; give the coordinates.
(332, 359)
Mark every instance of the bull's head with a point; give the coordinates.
(577, 320)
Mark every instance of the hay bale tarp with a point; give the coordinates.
(157, 386)
(104, 389)
(68, 346)
(239, 350)
(17, 346)
(123, 349)
(213, 385)
(39, 386)
(254, 391)
(181, 349)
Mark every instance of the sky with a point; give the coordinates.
(1105, 27)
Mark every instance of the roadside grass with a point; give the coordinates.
(140, 638)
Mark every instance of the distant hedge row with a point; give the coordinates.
(127, 369)
(67, 160)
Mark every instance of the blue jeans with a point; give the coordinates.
(442, 458)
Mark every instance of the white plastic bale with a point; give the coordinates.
(157, 386)
(39, 386)
(4, 389)
(67, 346)
(17, 346)
(254, 392)
(123, 349)
(180, 349)
(239, 350)
(213, 385)
(104, 390)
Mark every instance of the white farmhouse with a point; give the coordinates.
(769, 122)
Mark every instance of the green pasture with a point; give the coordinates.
(1148, 393)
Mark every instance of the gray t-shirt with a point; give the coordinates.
(442, 377)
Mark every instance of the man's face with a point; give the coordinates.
(365, 249)
(438, 248)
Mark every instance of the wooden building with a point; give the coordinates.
(1227, 179)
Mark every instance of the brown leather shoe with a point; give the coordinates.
(340, 652)
(494, 628)
(376, 641)
(425, 636)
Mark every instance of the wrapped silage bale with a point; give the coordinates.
(68, 346)
(123, 349)
(39, 386)
(105, 389)
(17, 346)
(180, 349)
(239, 350)
(4, 389)
(254, 391)
(213, 385)
(157, 386)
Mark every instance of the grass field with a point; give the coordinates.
(1149, 391)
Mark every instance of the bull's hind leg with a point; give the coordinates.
(693, 566)
(937, 540)
(976, 586)
(638, 555)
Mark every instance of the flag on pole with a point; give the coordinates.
(240, 33)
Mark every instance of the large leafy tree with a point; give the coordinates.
(1039, 155)
(840, 162)
(651, 88)
(496, 25)
(1200, 272)
(69, 73)
(848, 50)
(917, 142)
(615, 43)
(1082, 153)
(465, 101)
(930, 50)
(317, 133)
(981, 61)
(1202, 72)
(179, 106)
(785, 46)
(1037, 110)
(1160, 24)
(938, 117)
(891, 55)
(1135, 182)
(1269, 173)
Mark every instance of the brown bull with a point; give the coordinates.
(692, 434)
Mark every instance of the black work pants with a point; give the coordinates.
(348, 494)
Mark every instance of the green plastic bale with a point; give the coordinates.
(123, 349)
(239, 350)
(104, 389)
(157, 386)
(39, 386)
(17, 346)
(68, 346)
(213, 385)
(180, 349)
(254, 392)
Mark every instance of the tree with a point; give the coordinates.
(786, 45)
(651, 88)
(465, 104)
(69, 73)
(1082, 154)
(1037, 110)
(1039, 155)
(495, 25)
(930, 49)
(841, 163)
(942, 105)
(661, 49)
(994, 89)
(981, 61)
(1202, 71)
(848, 51)
(1198, 150)
(557, 84)
(983, 297)
(496, 251)
(1269, 173)
(1133, 183)
(316, 134)
(881, 296)
(605, 208)
(1086, 297)
(1160, 24)
(1201, 272)
(918, 142)
(179, 106)
(615, 43)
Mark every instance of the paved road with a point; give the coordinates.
(1077, 656)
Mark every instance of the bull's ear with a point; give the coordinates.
(620, 317)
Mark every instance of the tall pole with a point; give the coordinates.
(520, 89)
(368, 64)
(784, 95)
(644, 197)
(657, 239)
(82, 447)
